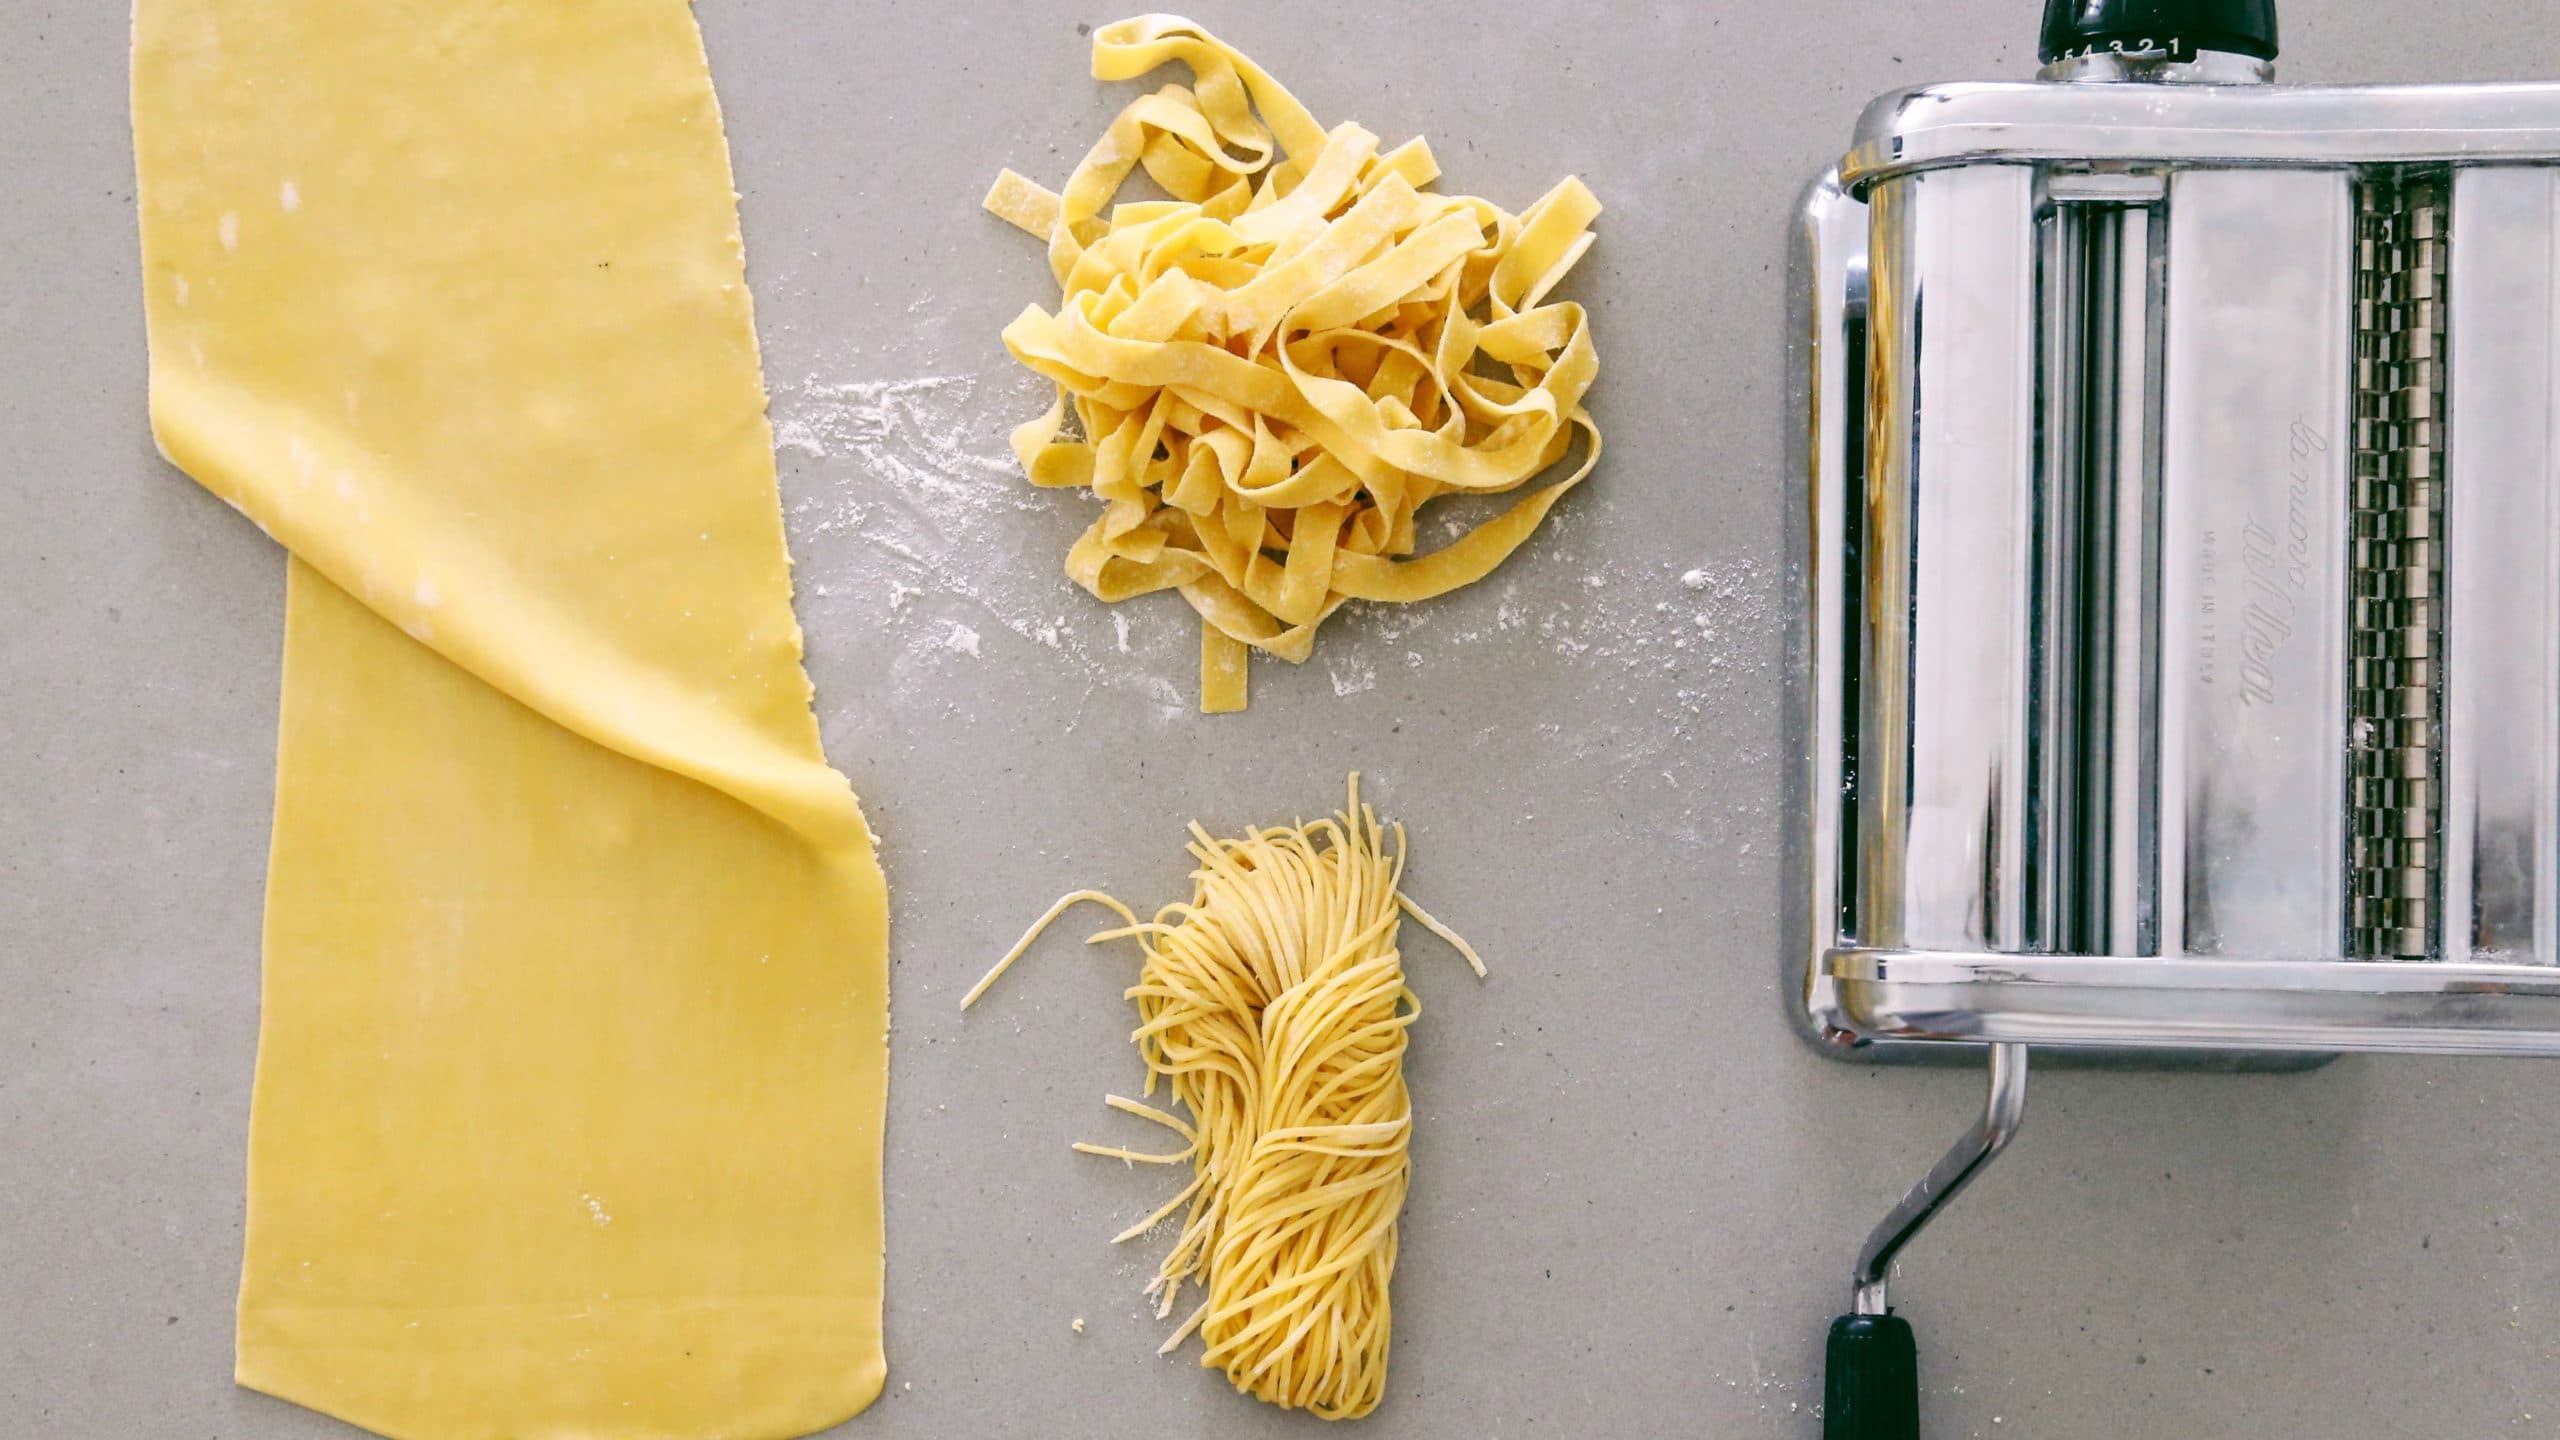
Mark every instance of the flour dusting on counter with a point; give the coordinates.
(1714, 629)
(953, 557)
(912, 525)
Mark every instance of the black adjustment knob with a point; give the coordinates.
(2176, 29)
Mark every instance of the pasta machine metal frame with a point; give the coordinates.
(2178, 578)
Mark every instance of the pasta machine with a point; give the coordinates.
(2179, 618)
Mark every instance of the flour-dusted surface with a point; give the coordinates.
(912, 473)
(913, 477)
(1635, 1193)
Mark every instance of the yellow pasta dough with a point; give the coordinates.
(1273, 1005)
(1271, 372)
(567, 1114)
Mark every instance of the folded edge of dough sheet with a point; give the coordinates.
(567, 1113)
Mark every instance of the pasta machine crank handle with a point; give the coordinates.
(1871, 1379)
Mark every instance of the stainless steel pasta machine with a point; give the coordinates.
(2180, 586)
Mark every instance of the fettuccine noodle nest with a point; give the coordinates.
(1273, 371)
(1273, 1006)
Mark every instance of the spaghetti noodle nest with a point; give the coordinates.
(1271, 372)
(1273, 1005)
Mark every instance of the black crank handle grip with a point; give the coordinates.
(1871, 1380)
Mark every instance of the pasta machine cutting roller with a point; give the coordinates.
(2180, 608)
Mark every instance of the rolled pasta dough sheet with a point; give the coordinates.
(567, 1115)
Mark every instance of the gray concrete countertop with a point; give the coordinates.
(1636, 1194)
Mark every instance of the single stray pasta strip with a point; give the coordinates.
(1273, 1005)
(1265, 377)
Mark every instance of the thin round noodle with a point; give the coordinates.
(1273, 1005)
(1273, 371)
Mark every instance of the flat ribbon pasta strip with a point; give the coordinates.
(1272, 372)
(567, 1117)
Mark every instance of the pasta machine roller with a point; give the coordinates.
(2180, 585)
